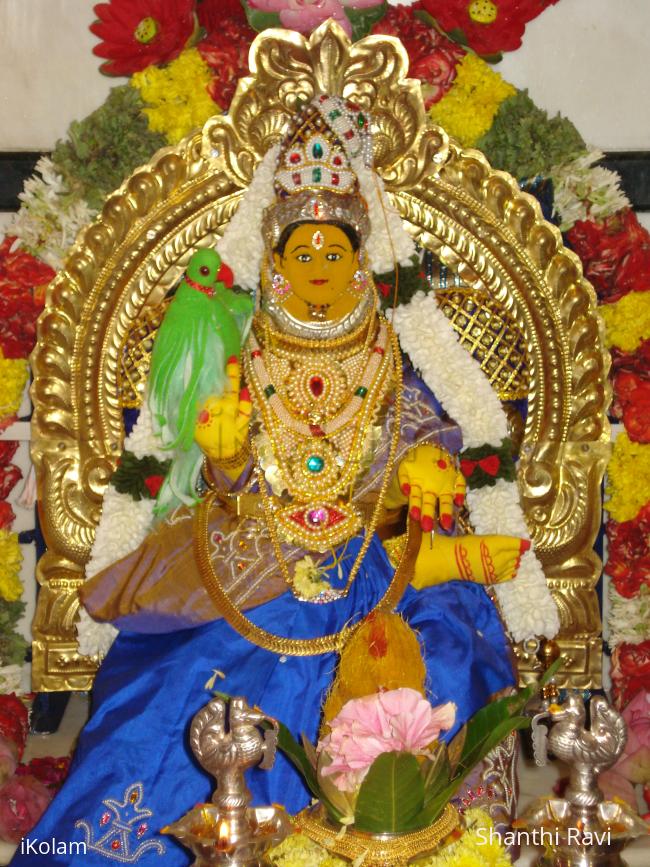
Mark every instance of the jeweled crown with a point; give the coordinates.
(317, 151)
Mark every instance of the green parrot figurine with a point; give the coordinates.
(206, 324)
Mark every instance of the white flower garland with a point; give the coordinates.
(123, 526)
(50, 216)
(464, 391)
(582, 191)
(629, 619)
(245, 260)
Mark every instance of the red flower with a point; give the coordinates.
(153, 485)
(432, 56)
(489, 26)
(7, 516)
(629, 553)
(22, 281)
(615, 252)
(632, 404)
(226, 52)
(8, 449)
(630, 671)
(139, 33)
(22, 803)
(14, 723)
(48, 770)
(211, 13)
(9, 477)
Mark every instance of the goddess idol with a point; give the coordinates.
(298, 444)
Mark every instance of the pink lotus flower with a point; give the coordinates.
(305, 15)
(22, 803)
(399, 720)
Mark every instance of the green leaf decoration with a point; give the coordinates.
(105, 147)
(131, 475)
(479, 478)
(391, 796)
(455, 749)
(412, 279)
(260, 20)
(12, 645)
(363, 20)
(526, 142)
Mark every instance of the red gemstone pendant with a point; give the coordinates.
(316, 386)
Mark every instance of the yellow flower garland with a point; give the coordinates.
(11, 559)
(627, 320)
(468, 109)
(176, 96)
(13, 377)
(628, 478)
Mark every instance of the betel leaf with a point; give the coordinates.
(391, 795)
(363, 20)
(260, 20)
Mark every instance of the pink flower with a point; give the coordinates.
(22, 803)
(634, 764)
(305, 15)
(399, 720)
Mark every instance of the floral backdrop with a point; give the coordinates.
(177, 62)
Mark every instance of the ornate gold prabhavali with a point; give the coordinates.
(512, 264)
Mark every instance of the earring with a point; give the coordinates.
(280, 287)
(359, 283)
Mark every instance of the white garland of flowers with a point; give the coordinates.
(123, 526)
(464, 391)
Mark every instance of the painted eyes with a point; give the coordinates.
(331, 257)
(303, 257)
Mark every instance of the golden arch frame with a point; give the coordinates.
(474, 218)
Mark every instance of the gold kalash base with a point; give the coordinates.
(531, 320)
(380, 850)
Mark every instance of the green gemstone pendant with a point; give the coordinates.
(315, 463)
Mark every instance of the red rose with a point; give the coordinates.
(615, 253)
(48, 770)
(489, 26)
(211, 13)
(14, 721)
(433, 57)
(226, 52)
(153, 484)
(139, 33)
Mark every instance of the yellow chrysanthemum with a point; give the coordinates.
(628, 483)
(176, 96)
(467, 110)
(10, 561)
(13, 376)
(628, 320)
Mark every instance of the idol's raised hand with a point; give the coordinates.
(222, 423)
(430, 482)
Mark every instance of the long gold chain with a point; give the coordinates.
(326, 643)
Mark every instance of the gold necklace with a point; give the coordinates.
(315, 466)
(326, 643)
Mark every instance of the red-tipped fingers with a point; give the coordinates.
(446, 507)
(459, 499)
(524, 546)
(415, 502)
(428, 510)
